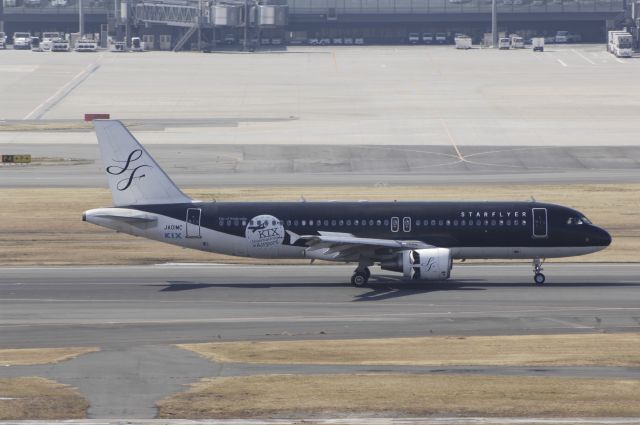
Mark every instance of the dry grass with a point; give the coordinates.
(534, 350)
(52, 232)
(32, 356)
(39, 398)
(403, 395)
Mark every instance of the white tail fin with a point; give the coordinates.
(134, 177)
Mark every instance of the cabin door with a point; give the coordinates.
(540, 223)
(193, 222)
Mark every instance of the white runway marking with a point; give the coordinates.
(45, 106)
(583, 56)
(561, 62)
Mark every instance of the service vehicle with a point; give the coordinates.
(21, 40)
(137, 45)
(60, 45)
(35, 44)
(47, 40)
(538, 44)
(337, 41)
(277, 41)
(441, 37)
(359, 41)
(58, 3)
(621, 44)
(567, 37)
(86, 46)
(504, 43)
(414, 38)
(463, 42)
(348, 41)
(3, 40)
(32, 3)
(517, 42)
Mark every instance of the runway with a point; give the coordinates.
(134, 314)
(166, 304)
(192, 165)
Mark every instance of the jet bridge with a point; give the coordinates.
(193, 16)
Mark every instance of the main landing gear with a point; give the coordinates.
(360, 276)
(538, 277)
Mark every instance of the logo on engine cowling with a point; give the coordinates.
(264, 231)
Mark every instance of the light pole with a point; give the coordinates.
(81, 19)
(494, 23)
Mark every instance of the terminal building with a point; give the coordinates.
(179, 24)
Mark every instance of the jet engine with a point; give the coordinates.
(422, 264)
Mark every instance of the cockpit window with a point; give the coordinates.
(578, 221)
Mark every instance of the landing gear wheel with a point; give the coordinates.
(539, 278)
(359, 278)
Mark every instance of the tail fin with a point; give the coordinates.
(134, 177)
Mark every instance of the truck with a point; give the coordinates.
(517, 42)
(620, 44)
(463, 42)
(538, 44)
(504, 43)
(21, 40)
(47, 40)
(441, 37)
(414, 38)
(137, 45)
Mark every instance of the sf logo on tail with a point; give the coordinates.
(116, 170)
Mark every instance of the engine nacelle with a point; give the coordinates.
(422, 264)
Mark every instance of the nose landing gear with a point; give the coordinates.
(538, 277)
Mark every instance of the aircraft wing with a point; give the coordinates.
(345, 246)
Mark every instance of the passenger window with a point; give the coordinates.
(395, 224)
(378, 222)
(326, 222)
(333, 222)
(433, 222)
(356, 222)
(341, 223)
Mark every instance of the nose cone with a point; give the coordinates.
(601, 237)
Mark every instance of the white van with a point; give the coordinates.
(504, 43)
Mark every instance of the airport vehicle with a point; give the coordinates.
(35, 44)
(517, 42)
(58, 3)
(60, 45)
(538, 44)
(136, 44)
(620, 44)
(418, 239)
(428, 38)
(21, 40)
(47, 40)
(359, 41)
(32, 3)
(504, 43)
(441, 38)
(463, 42)
(3, 40)
(86, 46)
(567, 37)
(414, 38)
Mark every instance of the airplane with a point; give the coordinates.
(418, 239)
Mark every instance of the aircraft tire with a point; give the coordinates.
(539, 279)
(359, 279)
